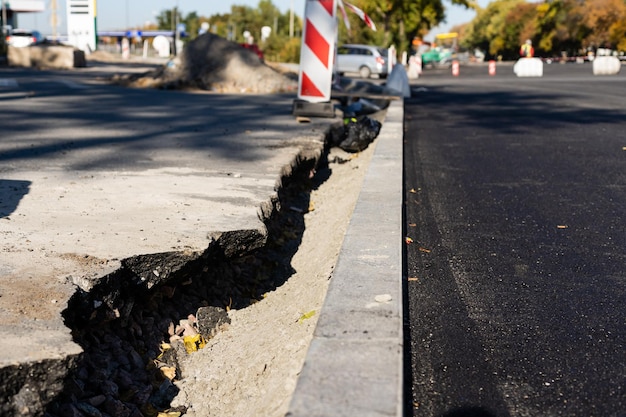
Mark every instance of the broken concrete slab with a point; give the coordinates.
(46, 56)
(111, 186)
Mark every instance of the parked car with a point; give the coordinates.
(254, 48)
(365, 60)
(20, 38)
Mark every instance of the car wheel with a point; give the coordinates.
(365, 72)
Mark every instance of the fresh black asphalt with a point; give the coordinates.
(515, 205)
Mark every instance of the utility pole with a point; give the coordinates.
(4, 18)
(291, 20)
(176, 32)
(54, 18)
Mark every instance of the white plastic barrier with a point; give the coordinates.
(606, 65)
(528, 67)
(415, 67)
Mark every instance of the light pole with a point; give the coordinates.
(176, 33)
(4, 18)
(53, 18)
(291, 21)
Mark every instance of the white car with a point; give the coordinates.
(362, 59)
(20, 38)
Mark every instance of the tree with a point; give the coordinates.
(605, 20)
(399, 21)
(488, 30)
(166, 19)
(554, 26)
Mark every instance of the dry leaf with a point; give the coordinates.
(424, 250)
(306, 316)
(168, 372)
(408, 240)
(193, 343)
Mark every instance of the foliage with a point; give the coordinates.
(555, 27)
(397, 21)
(606, 22)
(278, 46)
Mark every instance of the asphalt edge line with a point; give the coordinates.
(354, 365)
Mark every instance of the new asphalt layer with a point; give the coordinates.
(82, 195)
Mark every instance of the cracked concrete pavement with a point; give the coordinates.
(92, 175)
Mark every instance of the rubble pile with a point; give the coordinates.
(213, 63)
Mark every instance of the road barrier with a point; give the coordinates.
(455, 68)
(318, 51)
(528, 67)
(606, 65)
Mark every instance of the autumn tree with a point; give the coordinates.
(555, 26)
(606, 22)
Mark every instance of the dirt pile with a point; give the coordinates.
(212, 63)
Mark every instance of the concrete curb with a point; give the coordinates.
(354, 366)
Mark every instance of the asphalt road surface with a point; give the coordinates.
(516, 262)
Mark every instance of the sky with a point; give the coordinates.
(120, 14)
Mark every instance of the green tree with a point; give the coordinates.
(497, 29)
(398, 21)
(166, 19)
(192, 23)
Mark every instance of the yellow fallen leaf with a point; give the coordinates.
(193, 343)
(412, 191)
(413, 279)
(408, 240)
(306, 316)
(170, 414)
(169, 372)
(561, 226)
(412, 224)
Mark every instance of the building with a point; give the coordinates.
(12, 8)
